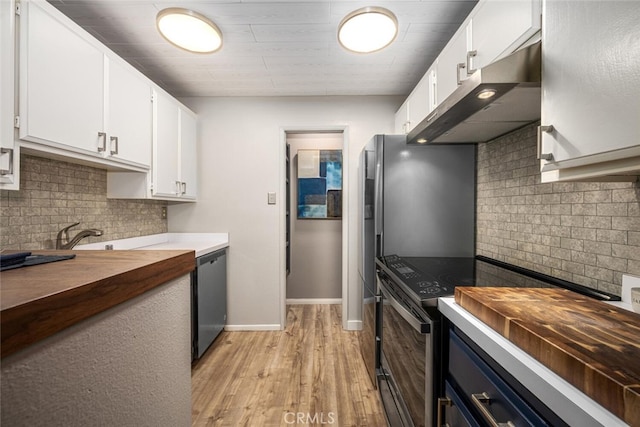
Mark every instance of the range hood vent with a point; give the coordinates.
(464, 117)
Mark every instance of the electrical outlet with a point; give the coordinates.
(163, 215)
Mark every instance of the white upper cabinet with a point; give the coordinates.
(493, 30)
(188, 154)
(174, 150)
(402, 118)
(499, 27)
(174, 165)
(130, 112)
(590, 90)
(452, 62)
(77, 99)
(61, 82)
(166, 149)
(419, 102)
(9, 150)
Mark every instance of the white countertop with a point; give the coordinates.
(572, 405)
(201, 243)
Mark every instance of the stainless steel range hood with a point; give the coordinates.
(464, 117)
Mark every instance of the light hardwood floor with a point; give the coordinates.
(311, 373)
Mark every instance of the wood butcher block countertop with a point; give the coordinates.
(591, 344)
(40, 300)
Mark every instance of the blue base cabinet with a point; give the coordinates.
(479, 392)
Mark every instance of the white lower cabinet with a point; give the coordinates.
(9, 150)
(590, 92)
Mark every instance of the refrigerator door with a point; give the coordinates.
(428, 199)
(369, 338)
(379, 188)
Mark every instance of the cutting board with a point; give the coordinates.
(592, 345)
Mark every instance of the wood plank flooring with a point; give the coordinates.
(311, 373)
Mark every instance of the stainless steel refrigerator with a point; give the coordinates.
(415, 201)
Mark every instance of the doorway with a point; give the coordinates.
(314, 246)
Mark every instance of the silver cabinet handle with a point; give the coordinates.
(540, 155)
(114, 141)
(102, 147)
(470, 54)
(459, 66)
(442, 401)
(184, 187)
(178, 187)
(481, 401)
(9, 170)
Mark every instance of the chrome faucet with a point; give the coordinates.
(63, 242)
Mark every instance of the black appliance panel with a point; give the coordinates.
(409, 366)
(426, 279)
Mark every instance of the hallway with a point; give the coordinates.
(311, 373)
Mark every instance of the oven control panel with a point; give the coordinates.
(423, 284)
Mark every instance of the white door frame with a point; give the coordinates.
(345, 215)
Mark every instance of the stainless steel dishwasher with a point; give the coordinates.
(208, 300)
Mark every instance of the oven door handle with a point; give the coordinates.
(416, 323)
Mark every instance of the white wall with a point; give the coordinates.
(241, 159)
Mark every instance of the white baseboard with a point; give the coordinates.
(236, 328)
(354, 325)
(314, 301)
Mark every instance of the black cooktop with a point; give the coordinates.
(432, 277)
(427, 278)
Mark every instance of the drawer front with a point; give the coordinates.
(487, 395)
(456, 414)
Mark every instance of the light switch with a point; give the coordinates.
(271, 198)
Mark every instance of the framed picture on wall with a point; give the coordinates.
(319, 184)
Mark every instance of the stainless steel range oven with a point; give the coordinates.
(410, 376)
(408, 363)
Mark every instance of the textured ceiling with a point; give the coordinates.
(285, 48)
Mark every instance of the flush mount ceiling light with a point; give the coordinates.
(189, 30)
(368, 29)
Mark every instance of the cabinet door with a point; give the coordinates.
(9, 156)
(499, 27)
(433, 86)
(448, 67)
(165, 146)
(130, 113)
(61, 82)
(590, 68)
(418, 103)
(188, 155)
(402, 119)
